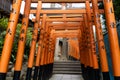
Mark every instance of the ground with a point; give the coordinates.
(66, 77)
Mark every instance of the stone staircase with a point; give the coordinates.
(67, 67)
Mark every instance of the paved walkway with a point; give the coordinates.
(66, 77)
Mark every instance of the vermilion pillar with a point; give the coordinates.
(50, 53)
(53, 48)
(43, 44)
(80, 41)
(46, 45)
(113, 37)
(9, 39)
(50, 50)
(89, 68)
(43, 47)
(91, 72)
(81, 44)
(100, 40)
(43, 57)
(45, 61)
(48, 42)
(33, 43)
(84, 49)
(48, 68)
(93, 47)
(39, 49)
(87, 29)
(22, 40)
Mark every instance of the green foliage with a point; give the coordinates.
(15, 44)
(3, 23)
(101, 5)
(28, 41)
(117, 9)
(3, 27)
(116, 4)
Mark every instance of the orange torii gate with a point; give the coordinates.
(64, 1)
(74, 49)
(44, 60)
(66, 34)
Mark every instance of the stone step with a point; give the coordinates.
(67, 62)
(66, 66)
(66, 72)
(66, 69)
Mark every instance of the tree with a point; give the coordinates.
(3, 27)
(116, 4)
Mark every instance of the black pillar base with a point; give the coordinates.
(97, 74)
(40, 77)
(16, 75)
(29, 74)
(91, 73)
(106, 76)
(2, 76)
(51, 70)
(86, 73)
(46, 72)
(117, 78)
(83, 70)
(36, 70)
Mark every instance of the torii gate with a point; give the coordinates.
(88, 59)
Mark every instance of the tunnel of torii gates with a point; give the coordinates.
(79, 26)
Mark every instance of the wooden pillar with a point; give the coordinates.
(37, 63)
(43, 47)
(33, 43)
(83, 51)
(80, 40)
(49, 65)
(100, 40)
(86, 43)
(113, 37)
(9, 39)
(48, 41)
(81, 44)
(93, 46)
(43, 44)
(22, 40)
(90, 65)
(53, 48)
(39, 52)
(46, 65)
(51, 54)
(88, 69)
(50, 47)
